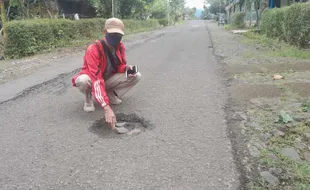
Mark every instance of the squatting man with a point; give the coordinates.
(105, 73)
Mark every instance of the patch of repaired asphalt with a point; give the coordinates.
(130, 122)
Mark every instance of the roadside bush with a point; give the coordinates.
(163, 22)
(237, 20)
(27, 37)
(272, 23)
(298, 16)
(216, 18)
(132, 26)
(290, 24)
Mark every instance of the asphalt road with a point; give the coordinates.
(46, 141)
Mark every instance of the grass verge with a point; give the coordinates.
(231, 27)
(280, 125)
(274, 47)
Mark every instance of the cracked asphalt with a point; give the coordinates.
(46, 143)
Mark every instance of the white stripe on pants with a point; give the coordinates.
(117, 83)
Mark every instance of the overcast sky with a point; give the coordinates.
(195, 3)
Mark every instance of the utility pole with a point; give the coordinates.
(220, 7)
(112, 8)
(229, 12)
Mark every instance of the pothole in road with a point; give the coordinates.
(127, 125)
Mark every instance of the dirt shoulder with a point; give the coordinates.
(268, 119)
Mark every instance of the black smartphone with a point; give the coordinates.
(132, 71)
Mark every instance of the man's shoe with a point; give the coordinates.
(89, 104)
(114, 99)
(89, 107)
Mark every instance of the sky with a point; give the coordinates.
(195, 3)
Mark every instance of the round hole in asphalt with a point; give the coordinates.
(127, 125)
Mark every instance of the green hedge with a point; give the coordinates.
(27, 37)
(290, 24)
(163, 22)
(237, 20)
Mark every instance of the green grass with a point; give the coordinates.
(258, 185)
(250, 54)
(255, 187)
(306, 107)
(298, 172)
(231, 27)
(291, 52)
(275, 48)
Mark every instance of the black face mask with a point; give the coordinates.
(113, 39)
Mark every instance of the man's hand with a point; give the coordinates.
(130, 67)
(110, 116)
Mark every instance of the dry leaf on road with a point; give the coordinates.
(277, 77)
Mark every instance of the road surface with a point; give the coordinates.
(46, 141)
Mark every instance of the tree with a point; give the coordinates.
(249, 7)
(158, 9)
(241, 3)
(205, 13)
(190, 12)
(3, 12)
(177, 8)
(259, 7)
(32, 8)
(23, 7)
(96, 4)
(3, 19)
(217, 6)
(136, 9)
(103, 7)
(125, 9)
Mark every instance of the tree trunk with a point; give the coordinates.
(257, 17)
(3, 18)
(251, 16)
(2, 9)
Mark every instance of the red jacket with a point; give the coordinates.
(91, 68)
